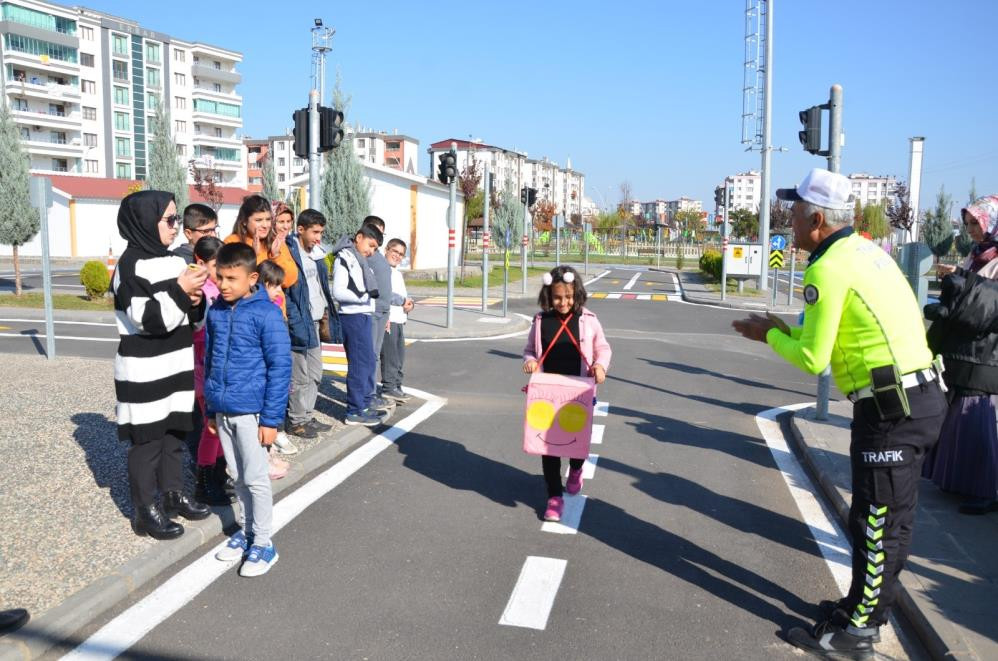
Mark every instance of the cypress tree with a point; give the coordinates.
(346, 193)
(165, 171)
(270, 190)
(19, 221)
(937, 230)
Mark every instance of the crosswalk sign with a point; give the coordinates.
(776, 259)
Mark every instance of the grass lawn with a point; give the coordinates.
(474, 276)
(733, 289)
(579, 258)
(59, 302)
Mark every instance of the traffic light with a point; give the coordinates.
(300, 131)
(531, 196)
(447, 169)
(810, 136)
(719, 196)
(330, 128)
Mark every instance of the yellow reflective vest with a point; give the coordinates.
(860, 313)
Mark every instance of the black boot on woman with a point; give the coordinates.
(150, 520)
(207, 490)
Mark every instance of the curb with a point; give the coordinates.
(695, 300)
(517, 325)
(934, 632)
(90, 602)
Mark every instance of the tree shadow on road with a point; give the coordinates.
(506, 354)
(742, 407)
(107, 457)
(690, 369)
(453, 465)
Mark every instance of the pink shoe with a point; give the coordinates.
(573, 484)
(555, 506)
(278, 468)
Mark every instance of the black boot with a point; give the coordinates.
(150, 520)
(221, 475)
(837, 613)
(178, 502)
(207, 491)
(832, 641)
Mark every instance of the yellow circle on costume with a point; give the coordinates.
(572, 417)
(540, 415)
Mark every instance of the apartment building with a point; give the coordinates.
(746, 190)
(869, 189)
(392, 150)
(83, 87)
(287, 166)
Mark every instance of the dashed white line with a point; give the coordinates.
(598, 431)
(644, 297)
(59, 321)
(533, 596)
(601, 409)
(592, 280)
(630, 283)
(41, 336)
(571, 516)
(588, 467)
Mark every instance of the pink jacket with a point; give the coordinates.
(595, 348)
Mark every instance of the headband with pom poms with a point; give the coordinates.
(567, 277)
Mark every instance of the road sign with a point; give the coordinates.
(776, 259)
(778, 242)
(737, 252)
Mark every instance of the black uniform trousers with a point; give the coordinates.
(887, 461)
(156, 465)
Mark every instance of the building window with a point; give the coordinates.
(123, 170)
(152, 53)
(38, 19)
(281, 162)
(21, 44)
(90, 167)
(57, 137)
(280, 146)
(361, 142)
(121, 122)
(89, 113)
(86, 59)
(180, 126)
(217, 87)
(180, 79)
(181, 150)
(152, 101)
(218, 132)
(217, 108)
(179, 55)
(152, 78)
(180, 103)
(57, 109)
(120, 70)
(122, 147)
(60, 165)
(119, 44)
(25, 132)
(280, 177)
(393, 146)
(299, 162)
(21, 104)
(218, 65)
(88, 87)
(89, 139)
(86, 33)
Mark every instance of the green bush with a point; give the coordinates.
(94, 278)
(680, 258)
(710, 264)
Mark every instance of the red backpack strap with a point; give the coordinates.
(564, 327)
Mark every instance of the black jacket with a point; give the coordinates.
(964, 331)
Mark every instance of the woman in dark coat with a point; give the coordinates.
(965, 332)
(157, 301)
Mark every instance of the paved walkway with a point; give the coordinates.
(949, 585)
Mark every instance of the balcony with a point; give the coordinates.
(215, 141)
(208, 72)
(208, 93)
(69, 149)
(43, 62)
(70, 120)
(42, 90)
(202, 117)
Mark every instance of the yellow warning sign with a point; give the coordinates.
(737, 252)
(776, 259)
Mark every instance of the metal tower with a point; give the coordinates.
(322, 44)
(754, 85)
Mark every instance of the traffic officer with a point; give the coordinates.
(861, 317)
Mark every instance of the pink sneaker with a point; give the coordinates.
(573, 484)
(278, 467)
(555, 506)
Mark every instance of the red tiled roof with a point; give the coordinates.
(461, 144)
(97, 188)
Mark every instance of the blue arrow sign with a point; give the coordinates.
(778, 242)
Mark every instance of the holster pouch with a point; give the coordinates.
(888, 393)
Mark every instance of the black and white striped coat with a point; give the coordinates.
(154, 367)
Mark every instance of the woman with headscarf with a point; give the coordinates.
(965, 461)
(157, 301)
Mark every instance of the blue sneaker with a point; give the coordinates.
(234, 549)
(259, 560)
(365, 417)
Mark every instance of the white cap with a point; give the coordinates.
(823, 188)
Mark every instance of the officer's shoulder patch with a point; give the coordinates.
(811, 294)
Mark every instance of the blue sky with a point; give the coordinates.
(647, 92)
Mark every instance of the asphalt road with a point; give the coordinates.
(689, 545)
(66, 281)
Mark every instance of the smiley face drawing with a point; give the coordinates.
(559, 416)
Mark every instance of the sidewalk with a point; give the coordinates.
(949, 583)
(695, 290)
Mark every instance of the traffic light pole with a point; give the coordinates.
(523, 252)
(724, 244)
(834, 164)
(557, 241)
(451, 212)
(314, 163)
(485, 241)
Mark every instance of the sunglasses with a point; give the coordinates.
(171, 221)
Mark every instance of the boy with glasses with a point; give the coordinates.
(200, 220)
(393, 347)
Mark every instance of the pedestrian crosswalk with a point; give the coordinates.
(459, 301)
(630, 296)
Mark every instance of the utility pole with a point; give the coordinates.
(724, 243)
(314, 158)
(767, 146)
(451, 237)
(486, 240)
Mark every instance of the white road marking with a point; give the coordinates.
(130, 627)
(644, 297)
(598, 431)
(614, 296)
(601, 409)
(833, 543)
(41, 335)
(57, 321)
(481, 339)
(588, 467)
(592, 280)
(630, 283)
(533, 596)
(571, 516)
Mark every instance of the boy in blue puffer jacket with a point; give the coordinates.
(247, 378)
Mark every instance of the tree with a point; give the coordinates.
(875, 221)
(937, 229)
(624, 206)
(858, 223)
(508, 220)
(779, 215)
(743, 223)
(467, 181)
(346, 192)
(205, 184)
(689, 224)
(19, 221)
(964, 244)
(543, 211)
(270, 190)
(606, 221)
(165, 171)
(972, 195)
(899, 212)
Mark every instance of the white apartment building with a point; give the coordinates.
(746, 190)
(872, 190)
(83, 87)
(392, 150)
(673, 207)
(287, 166)
(563, 186)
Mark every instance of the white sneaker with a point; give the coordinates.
(283, 444)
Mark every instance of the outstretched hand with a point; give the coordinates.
(754, 327)
(277, 244)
